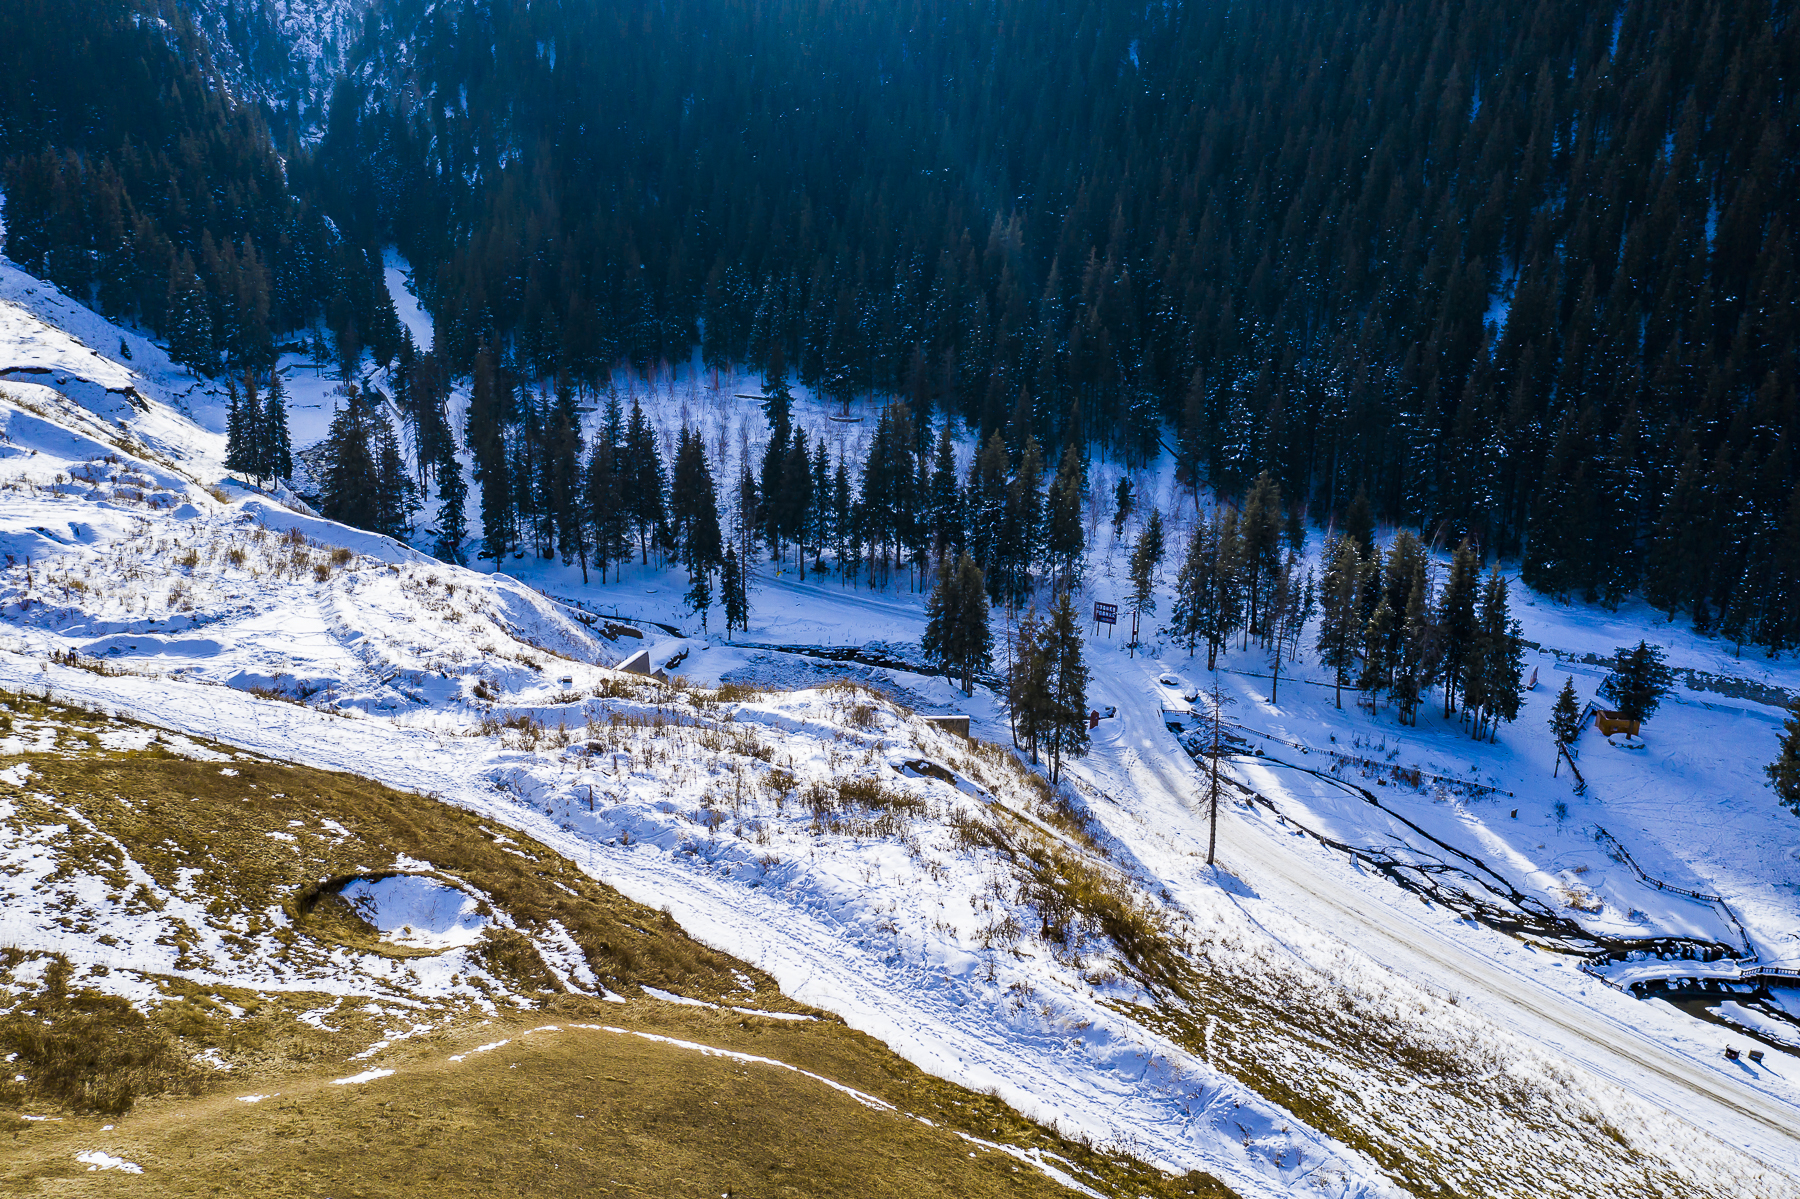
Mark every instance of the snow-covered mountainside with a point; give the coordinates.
(1297, 1022)
(283, 55)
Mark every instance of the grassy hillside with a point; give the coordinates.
(122, 821)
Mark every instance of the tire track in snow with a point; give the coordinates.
(1607, 1047)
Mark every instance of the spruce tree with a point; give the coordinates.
(1784, 771)
(1495, 665)
(1455, 620)
(1122, 506)
(188, 320)
(958, 636)
(699, 596)
(643, 480)
(275, 448)
(1377, 664)
(1565, 716)
(694, 515)
(820, 527)
(1064, 536)
(1192, 589)
(1223, 609)
(490, 407)
(603, 498)
(1146, 557)
(396, 494)
(240, 448)
(733, 593)
(352, 481)
(1068, 678)
(778, 407)
(986, 505)
(1260, 529)
(945, 505)
(1416, 656)
(1638, 681)
(1339, 629)
(562, 475)
(1028, 684)
(453, 502)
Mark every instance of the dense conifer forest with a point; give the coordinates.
(135, 181)
(1518, 273)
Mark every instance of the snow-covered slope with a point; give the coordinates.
(1291, 1024)
(122, 379)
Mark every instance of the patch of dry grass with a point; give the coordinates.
(582, 1113)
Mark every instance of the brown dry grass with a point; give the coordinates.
(586, 1112)
(570, 1113)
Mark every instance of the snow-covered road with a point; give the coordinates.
(1603, 1035)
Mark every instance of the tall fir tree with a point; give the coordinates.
(1065, 539)
(275, 457)
(452, 520)
(734, 595)
(1067, 723)
(352, 482)
(1565, 716)
(1784, 771)
(1339, 629)
(958, 635)
(643, 480)
(1638, 682)
(1146, 560)
(1455, 620)
(490, 409)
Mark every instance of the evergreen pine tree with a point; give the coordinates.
(778, 407)
(643, 480)
(1638, 682)
(1064, 537)
(1496, 662)
(699, 596)
(1028, 684)
(603, 498)
(1146, 557)
(945, 507)
(1223, 610)
(733, 593)
(275, 456)
(490, 407)
(1122, 506)
(240, 448)
(1455, 621)
(188, 319)
(1565, 715)
(352, 481)
(1339, 628)
(396, 494)
(562, 475)
(453, 504)
(1377, 665)
(820, 528)
(1192, 585)
(1416, 657)
(1260, 529)
(986, 506)
(845, 545)
(1068, 678)
(1784, 771)
(958, 636)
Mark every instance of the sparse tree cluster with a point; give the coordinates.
(257, 442)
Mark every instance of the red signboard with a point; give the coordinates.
(1106, 613)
